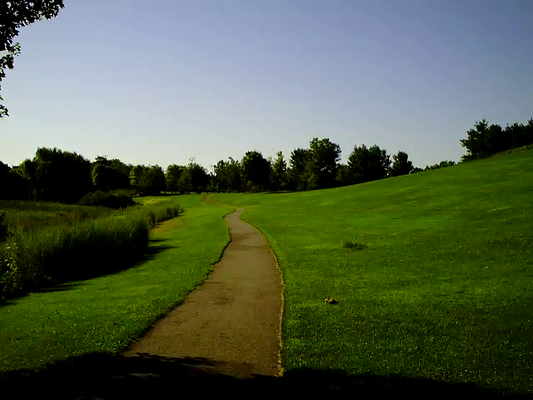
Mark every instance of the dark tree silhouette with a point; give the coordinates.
(172, 177)
(256, 170)
(368, 164)
(278, 176)
(485, 140)
(322, 165)
(401, 164)
(298, 171)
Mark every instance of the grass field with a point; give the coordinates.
(443, 289)
(105, 313)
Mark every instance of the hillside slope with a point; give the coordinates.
(443, 290)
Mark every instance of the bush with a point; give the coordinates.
(105, 199)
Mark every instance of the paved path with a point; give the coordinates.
(233, 319)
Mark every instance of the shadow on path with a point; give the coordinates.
(101, 376)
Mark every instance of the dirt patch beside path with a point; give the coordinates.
(233, 318)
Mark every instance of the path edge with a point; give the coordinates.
(282, 311)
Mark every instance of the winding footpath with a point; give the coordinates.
(233, 319)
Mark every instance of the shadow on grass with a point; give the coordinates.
(108, 266)
(112, 265)
(101, 376)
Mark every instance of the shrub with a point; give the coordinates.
(106, 199)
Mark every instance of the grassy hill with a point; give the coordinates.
(440, 288)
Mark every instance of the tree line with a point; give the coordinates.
(62, 176)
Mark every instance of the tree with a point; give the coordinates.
(14, 15)
(18, 186)
(519, 134)
(401, 164)
(234, 175)
(344, 177)
(110, 174)
(279, 172)
(123, 171)
(222, 175)
(256, 170)
(58, 175)
(199, 178)
(150, 180)
(172, 177)
(27, 170)
(322, 165)
(102, 176)
(153, 180)
(4, 169)
(442, 164)
(228, 175)
(212, 183)
(185, 182)
(136, 174)
(379, 163)
(298, 171)
(13, 185)
(6, 185)
(368, 164)
(486, 139)
(4, 189)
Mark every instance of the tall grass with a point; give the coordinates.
(30, 215)
(30, 260)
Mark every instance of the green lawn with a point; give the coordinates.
(443, 291)
(106, 313)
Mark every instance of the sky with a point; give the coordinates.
(162, 81)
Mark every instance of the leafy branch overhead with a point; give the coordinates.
(14, 15)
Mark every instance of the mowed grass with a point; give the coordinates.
(106, 313)
(443, 289)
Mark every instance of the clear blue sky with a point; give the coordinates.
(160, 81)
